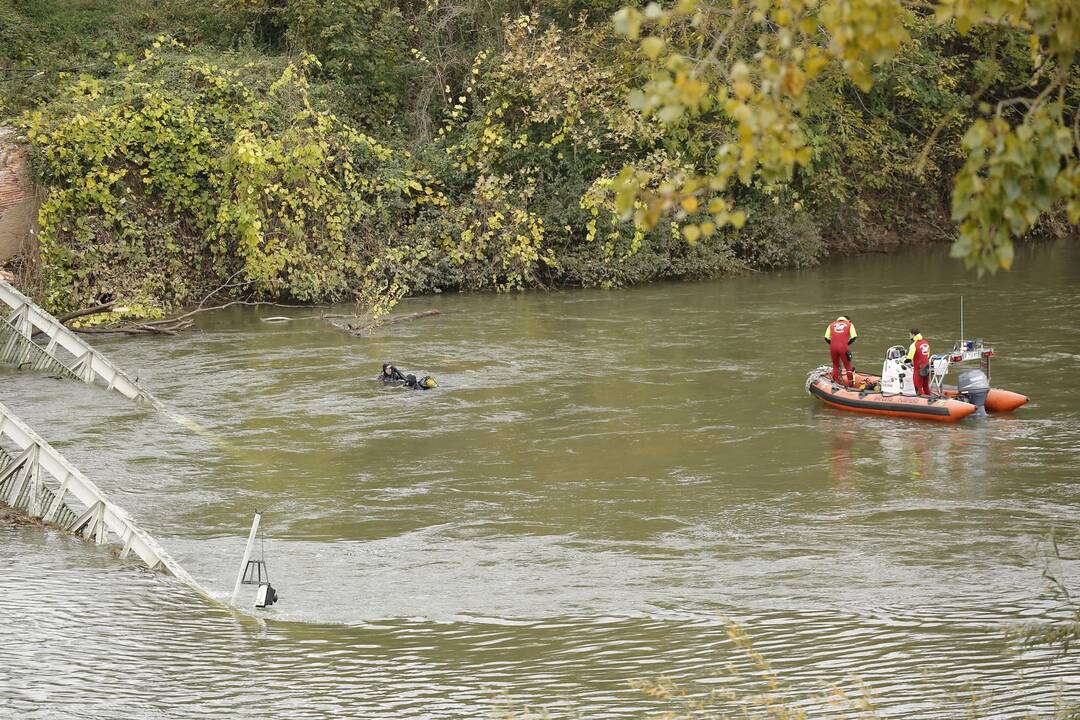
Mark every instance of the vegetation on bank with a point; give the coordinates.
(328, 150)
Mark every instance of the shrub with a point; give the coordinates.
(180, 176)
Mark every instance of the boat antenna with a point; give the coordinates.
(961, 319)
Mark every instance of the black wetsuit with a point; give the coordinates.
(395, 376)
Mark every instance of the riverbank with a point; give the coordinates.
(773, 239)
(264, 151)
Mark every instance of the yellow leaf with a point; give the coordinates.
(652, 46)
(814, 65)
(628, 22)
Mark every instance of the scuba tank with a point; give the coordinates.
(425, 383)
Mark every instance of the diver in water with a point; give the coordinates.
(392, 376)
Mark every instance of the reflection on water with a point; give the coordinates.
(597, 477)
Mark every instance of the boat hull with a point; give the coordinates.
(997, 400)
(904, 406)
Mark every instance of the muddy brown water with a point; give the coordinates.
(600, 479)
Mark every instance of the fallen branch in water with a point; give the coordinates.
(104, 307)
(362, 328)
(200, 309)
(16, 516)
(65, 319)
(324, 316)
(135, 329)
(171, 325)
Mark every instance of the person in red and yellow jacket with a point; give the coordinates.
(839, 335)
(919, 355)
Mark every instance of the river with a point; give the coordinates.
(602, 480)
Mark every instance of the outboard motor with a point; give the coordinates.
(973, 387)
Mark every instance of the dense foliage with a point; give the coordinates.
(759, 65)
(178, 173)
(322, 150)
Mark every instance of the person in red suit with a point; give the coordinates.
(919, 355)
(839, 336)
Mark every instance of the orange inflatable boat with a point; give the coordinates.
(918, 407)
(997, 399)
(893, 393)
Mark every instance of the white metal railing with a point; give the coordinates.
(87, 364)
(17, 350)
(35, 478)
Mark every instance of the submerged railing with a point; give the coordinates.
(38, 480)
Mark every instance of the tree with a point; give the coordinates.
(752, 64)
